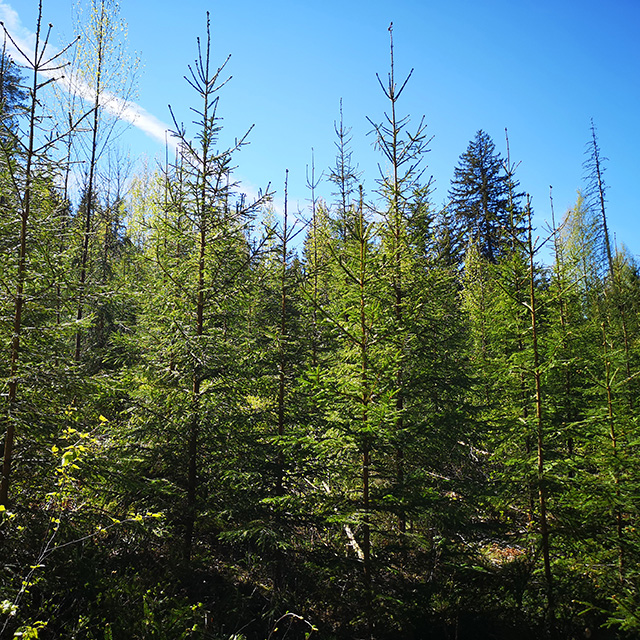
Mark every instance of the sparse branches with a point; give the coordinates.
(344, 175)
(403, 149)
(595, 193)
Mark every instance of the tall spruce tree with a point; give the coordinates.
(482, 199)
(198, 254)
(405, 205)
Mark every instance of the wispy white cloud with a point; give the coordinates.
(125, 110)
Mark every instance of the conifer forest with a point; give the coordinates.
(395, 419)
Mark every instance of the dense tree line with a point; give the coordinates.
(395, 421)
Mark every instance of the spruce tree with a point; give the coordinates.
(405, 209)
(482, 199)
(29, 201)
(197, 254)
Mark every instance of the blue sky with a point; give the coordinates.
(541, 69)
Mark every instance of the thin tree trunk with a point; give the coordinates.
(21, 276)
(90, 195)
(194, 427)
(281, 345)
(312, 184)
(617, 511)
(366, 397)
(365, 392)
(542, 491)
